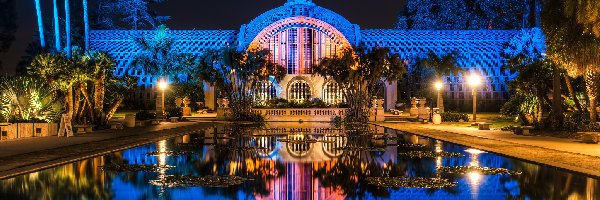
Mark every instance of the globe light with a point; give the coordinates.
(162, 84)
(474, 80)
(438, 85)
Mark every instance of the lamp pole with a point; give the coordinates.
(440, 104)
(474, 81)
(162, 85)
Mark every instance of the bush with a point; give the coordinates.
(450, 116)
(174, 112)
(145, 115)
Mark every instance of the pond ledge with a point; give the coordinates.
(570, 161)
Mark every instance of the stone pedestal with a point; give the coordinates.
(437, 119)
(129, 120)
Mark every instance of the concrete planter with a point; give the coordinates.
(45, 129)
(25, 130)
(129, 120)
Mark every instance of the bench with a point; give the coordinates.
(154, 121)
(395, 112)
(116, 125)
(526, 130)
(81, 129)
(174, 119)
(484, 126)
(590, 137)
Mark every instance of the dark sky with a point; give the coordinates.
(213, 14)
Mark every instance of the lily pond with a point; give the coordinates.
(300, 161)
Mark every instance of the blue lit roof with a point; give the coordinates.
(295, 8)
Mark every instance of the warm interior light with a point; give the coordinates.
(474, 80)
(162, 84)
(438, 85)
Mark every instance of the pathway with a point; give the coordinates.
(562, 153)
(32, 154)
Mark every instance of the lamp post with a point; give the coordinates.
(162, 85)
(440, 103)
(474, 81)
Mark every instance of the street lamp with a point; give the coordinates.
(474, 81)
(162, 85)
(440, 104)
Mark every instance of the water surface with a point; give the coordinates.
(300, 161)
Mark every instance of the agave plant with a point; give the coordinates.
(24, 98)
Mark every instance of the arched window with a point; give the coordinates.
(264, 91)
(332, 93)
(299, 90)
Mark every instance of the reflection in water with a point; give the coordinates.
(308, 161)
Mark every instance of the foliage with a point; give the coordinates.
(357, 72)
(134, 14)
(450, 116)
(174, 112)
(475, 169)
(145, 115)
(465, 14)
(235, 73)
(160, 58)
(586, 13)
(87, 82)
(521, 106)
(191, 89)
(410, 182)
(24, 98)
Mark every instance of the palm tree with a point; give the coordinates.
(68, 28)
(27, 98)
(56, 27)
(86, 24)
(442, 66)
(358, 72)
(40, 23)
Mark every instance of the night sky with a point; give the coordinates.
(217, 14)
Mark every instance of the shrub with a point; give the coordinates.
(174, 112)
(144, 115)
(450, 116)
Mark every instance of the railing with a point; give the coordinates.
(304, 114)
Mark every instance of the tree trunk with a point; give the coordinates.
(38, 10)
(86, 95)
(99, 90)
(113, 109)
(572, 93)
(557, 111)
(593, 112)
(76, 103)
(68, 28)
(86, 24)
(592, 79)
(69, 101)
(56, 27)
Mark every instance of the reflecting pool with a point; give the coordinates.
(300, 161)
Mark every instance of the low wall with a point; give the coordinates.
(304, 114)
(26, 130)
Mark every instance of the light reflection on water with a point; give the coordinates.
(313, 163)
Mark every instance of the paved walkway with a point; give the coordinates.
(562, 153)
(32, 154)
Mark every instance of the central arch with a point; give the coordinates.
(299, 42)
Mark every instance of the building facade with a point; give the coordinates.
(301, 33)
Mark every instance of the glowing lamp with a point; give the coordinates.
(162, 85)
(438, 85)
(474, 80)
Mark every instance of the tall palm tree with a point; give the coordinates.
(86, 24)
(442, 66)
(68, 28)
(40, 23)
(56, 27)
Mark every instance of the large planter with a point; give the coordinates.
(129, 120)
(25, 130)
(45, 129)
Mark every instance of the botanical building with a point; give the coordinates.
(301, 33)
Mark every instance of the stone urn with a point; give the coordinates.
(413, 102)
(178, 102)
(186, 102)
(437, 118)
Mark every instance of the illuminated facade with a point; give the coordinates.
(300, 34)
